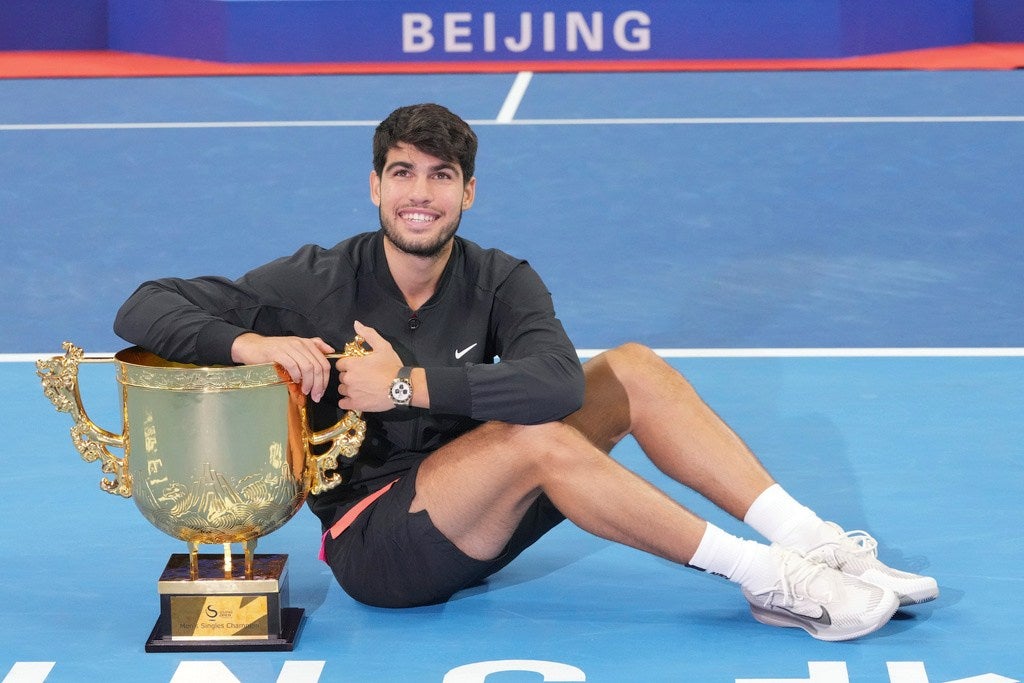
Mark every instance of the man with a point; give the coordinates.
(468, 461)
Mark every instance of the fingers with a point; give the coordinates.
(364, 380)
(308, 368)
(380, 347)
(371, 336)
(302, 358)
(322, 346)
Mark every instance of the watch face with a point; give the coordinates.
(401, 391)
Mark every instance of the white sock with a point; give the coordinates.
(747, 563)
(777, 516)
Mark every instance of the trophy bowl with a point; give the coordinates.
(211, 455)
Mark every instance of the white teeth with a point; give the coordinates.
(418, 217)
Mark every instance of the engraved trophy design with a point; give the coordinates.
(211, 455)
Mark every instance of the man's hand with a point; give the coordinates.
(366, 380)
(301, 357)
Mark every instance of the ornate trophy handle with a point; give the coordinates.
(345, 436)
(59, 375)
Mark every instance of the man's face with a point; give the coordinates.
(421, 199)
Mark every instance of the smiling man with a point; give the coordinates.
(468, 461)
(421, 205)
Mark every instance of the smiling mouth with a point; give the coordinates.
(414, 217)
(418, 218)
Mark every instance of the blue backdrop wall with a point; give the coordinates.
(503, 30)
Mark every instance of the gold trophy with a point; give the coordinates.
(211, 455)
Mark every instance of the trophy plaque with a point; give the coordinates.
(211, 455)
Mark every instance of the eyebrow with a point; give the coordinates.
(444, 165)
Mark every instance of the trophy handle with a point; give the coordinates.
(345, 437)
(59, 376)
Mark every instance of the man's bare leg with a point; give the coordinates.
(632, 390)
(501, 469)
(477, 488)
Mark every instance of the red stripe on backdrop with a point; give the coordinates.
(105, 63)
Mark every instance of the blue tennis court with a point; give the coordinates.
(832, 258)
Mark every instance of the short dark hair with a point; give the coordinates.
(430, 128)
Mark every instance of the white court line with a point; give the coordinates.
(505, 119)
(514, 97)
(187, 124)
(760, 120)
(33, 357)
(959, 352)
(895, 352)
(29, 672)
(300, 671)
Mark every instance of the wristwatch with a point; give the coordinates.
(401, 388)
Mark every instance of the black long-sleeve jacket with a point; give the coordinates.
(488, 340)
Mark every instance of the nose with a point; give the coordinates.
(420, 190)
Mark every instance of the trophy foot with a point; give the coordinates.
(249, 547)
(228, 567)
(193, 560)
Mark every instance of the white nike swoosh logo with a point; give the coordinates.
(463, 352)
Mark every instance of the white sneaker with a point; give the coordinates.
(856, 553)
(825, 602)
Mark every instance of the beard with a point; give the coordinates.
(426, 247)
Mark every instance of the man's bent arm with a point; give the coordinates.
(188, 321)
(539, 377)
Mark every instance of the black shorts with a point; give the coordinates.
(390, 557)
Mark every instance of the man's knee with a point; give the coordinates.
(543, 437)
(632, 354)
(633, 362)
(548, 445)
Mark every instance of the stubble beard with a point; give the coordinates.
(429, 249)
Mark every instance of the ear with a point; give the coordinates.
(469, 193)
(375, 188)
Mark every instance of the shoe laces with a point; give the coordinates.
(857, 543)
(796, 575)
(860, 543)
